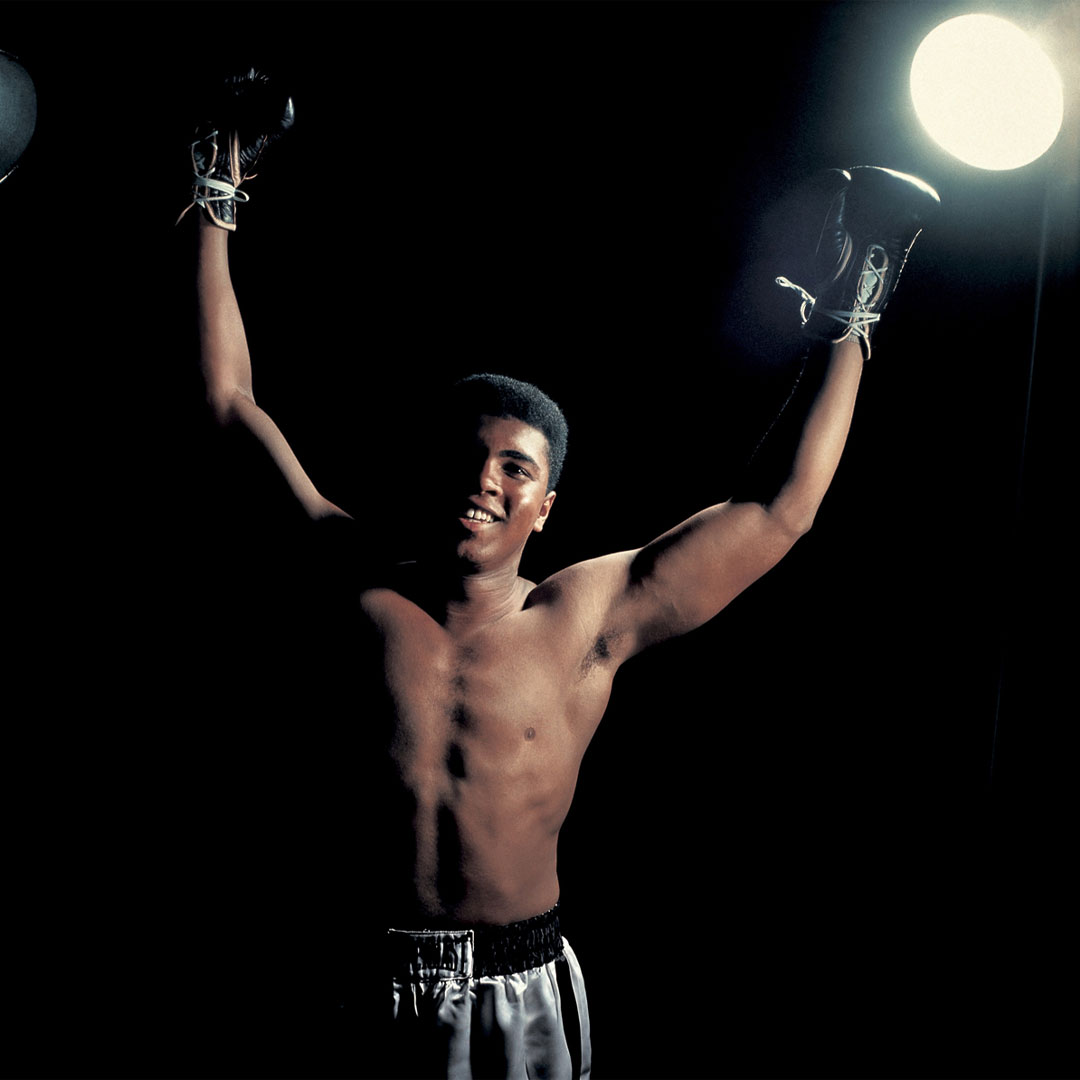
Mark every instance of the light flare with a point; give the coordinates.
(986, 92)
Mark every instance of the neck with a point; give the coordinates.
(487, 597)
(464, 599)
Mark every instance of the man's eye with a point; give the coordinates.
(517, 470)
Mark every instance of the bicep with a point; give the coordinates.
(621, 603)
(688, 575)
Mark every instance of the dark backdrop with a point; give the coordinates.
(825, 835)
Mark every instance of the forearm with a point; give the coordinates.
(686, 576)
(223, 349)
(796, 461)
(226, 365)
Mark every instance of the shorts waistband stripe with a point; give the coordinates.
(418, 955)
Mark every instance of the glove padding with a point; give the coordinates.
(249, 115)
(873, 218)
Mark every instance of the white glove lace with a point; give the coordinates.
(858, 321)
(224, 189)
(212, 190)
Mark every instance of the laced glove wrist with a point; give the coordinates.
(871, 223)
(225, 153)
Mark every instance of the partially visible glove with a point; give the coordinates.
(871, 223)
(250, 115)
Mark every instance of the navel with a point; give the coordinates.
(530, 733)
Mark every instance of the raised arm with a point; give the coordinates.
(222, 160)
(226, 366)
(685, 577)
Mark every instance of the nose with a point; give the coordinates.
(490, 476)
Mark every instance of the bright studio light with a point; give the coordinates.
(986, 92)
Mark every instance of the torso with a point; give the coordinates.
(483, 729)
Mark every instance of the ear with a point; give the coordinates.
(545, 509)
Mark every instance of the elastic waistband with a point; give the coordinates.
(426, 955)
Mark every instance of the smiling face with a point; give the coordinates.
(500, 491)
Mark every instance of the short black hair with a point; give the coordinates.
(507, 398)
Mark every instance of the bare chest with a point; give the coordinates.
(496, 684)
(524, 682)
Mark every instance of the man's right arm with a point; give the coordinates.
(226, 366)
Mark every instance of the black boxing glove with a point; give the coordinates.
(872, 221)
(249, 115)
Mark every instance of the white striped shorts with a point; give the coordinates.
(492, 1002)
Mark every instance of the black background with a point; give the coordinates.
(826, 835)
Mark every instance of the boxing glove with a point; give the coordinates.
(871, 222)
(249, 115)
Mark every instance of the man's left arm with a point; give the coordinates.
(689, 574)
(685, 577)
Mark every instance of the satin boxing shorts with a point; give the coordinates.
(491, 1002)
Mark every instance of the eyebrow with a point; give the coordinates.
(517, 455)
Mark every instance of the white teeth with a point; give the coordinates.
(478, 515)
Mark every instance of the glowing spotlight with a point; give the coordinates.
(18, 112)
(986, 92)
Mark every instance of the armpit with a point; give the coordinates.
(602, 651)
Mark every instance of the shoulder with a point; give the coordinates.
(393, 592)
(590, 585)
(335, 556)
(586, 603)
(381, 581)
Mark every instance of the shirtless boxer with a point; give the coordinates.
(488, 687)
